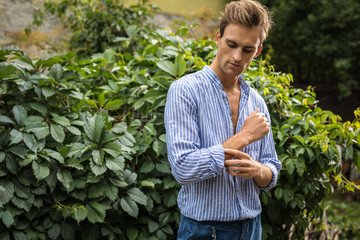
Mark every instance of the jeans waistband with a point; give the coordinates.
(222, 223)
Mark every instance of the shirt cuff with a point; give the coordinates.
(274, 177)
(218, 155)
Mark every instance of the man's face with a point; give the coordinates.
(236, 49)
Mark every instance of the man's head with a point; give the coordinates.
(248, 13)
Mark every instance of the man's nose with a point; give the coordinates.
(237, 55)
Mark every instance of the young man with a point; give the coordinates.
(219, 139)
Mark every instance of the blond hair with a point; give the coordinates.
(248, 13)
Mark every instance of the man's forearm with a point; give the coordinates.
(238, 141)
(264, 178)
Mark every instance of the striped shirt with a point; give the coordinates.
(197, 121)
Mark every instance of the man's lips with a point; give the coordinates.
(234, 64)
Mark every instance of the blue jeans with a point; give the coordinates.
(248, 229)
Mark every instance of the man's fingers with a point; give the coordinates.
(236, 153)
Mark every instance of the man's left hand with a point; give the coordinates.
(241, 164)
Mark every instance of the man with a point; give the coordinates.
(218, 139)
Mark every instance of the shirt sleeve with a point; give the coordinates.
(268, 155)
(189, 162)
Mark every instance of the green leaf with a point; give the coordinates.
(119, 183)
(20, 114)
(57, 132)
(300, 139)
(112, 148)
(137, 195)
(163, 167)
(74, 130)
(170, 198)
(93, 128)
(19, 235)
(98, 156)
(111, 191)
(5, 119)
(63, 121)
(31, 142)
(28, 159)
(127, 139)
(2, 156)
(40, 171)
(119, 128)
(16, 136)
(25, 204)
(97, 169)
(95, 191)
(290, 165)
(67, 231)
(115, 104)
(95, 212)
(164, 218)
(115, 164)
(147, 167)
(162, 138)
(157, 147)
(167, 66)
(101, 98)
(51, 180)
(300, 166)
(40, 132)
(153, 226)
(169, 183)
(54, 231)
(7, 71)
(180, 65)
(129, 177)
(278, 193)
(131, 31)
(48, 91)
(74, 163)
(55, 155)
(7, 218)
(79, 214)
(65, 177)
(132, 233)
(40, 108)
(129, 206)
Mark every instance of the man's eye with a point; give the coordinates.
(232, 45)
(248, 50)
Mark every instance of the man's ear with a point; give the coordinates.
(217, 38)
(259, 50)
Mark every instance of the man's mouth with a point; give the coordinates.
(234, 64)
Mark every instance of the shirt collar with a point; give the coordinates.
(214, 79)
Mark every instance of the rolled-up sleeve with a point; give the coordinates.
(189, 162)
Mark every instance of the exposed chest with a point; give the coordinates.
(234, 99)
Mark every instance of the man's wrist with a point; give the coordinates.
(244, 139)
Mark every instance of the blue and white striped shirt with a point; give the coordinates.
(197, 121)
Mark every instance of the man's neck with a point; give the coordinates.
(229, 83)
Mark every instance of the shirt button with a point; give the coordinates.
(225, 99)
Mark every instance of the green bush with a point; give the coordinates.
(83, 153)
(317, 41)
(96, 25)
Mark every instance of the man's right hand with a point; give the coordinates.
(255, 127)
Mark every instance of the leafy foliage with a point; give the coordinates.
(83, 144)
(96, 25)
(317, 41)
